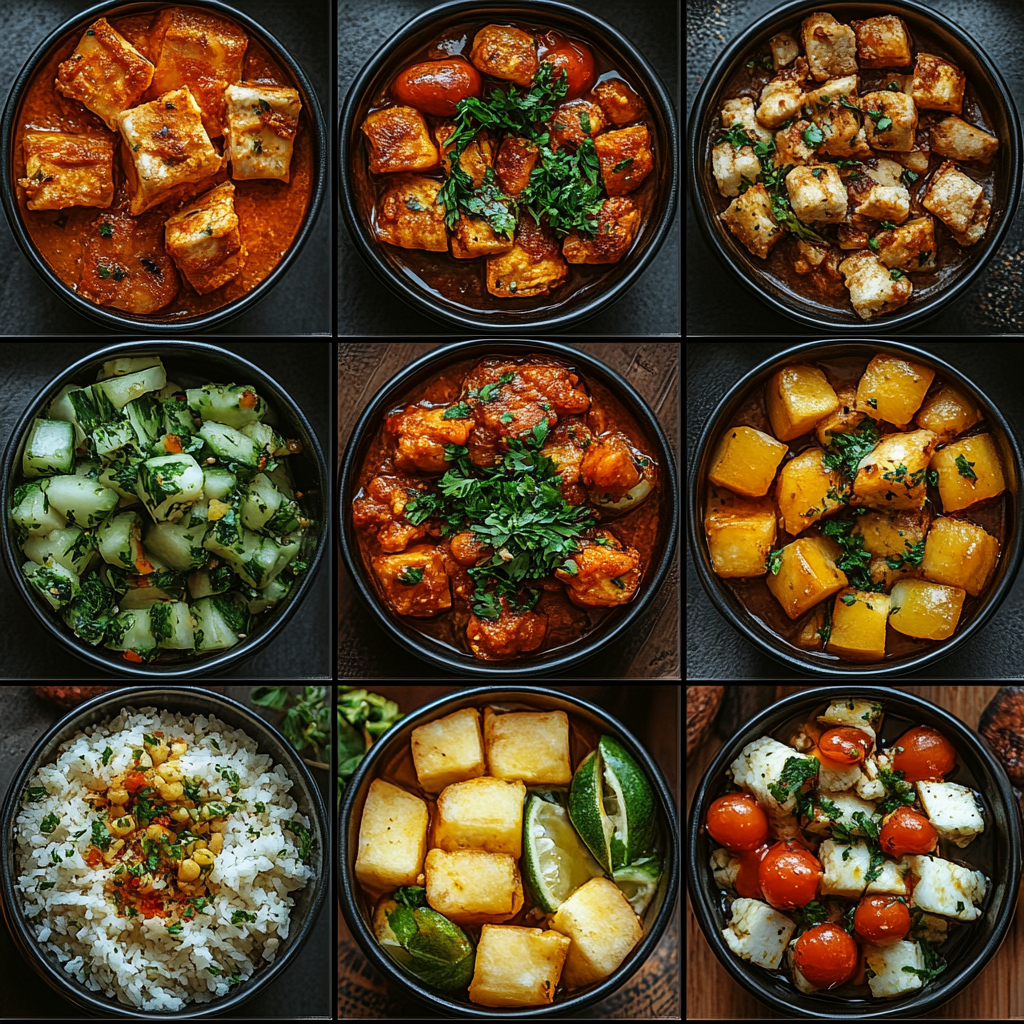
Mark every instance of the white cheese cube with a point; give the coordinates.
(865, 715)
(956, 139)
(783, 96)
(872, 289)
(957, 200)
(846, 805)
(845, 867)
(887, 963)
(732, 165)
(931, 929)
(890, 880)
(750, 218)
(831, 46)
(817, 194)
(725, 867)
(870, 789)
(759, 764)
(946, 888)
(741, 111)
(758, 933)
(953, 811)
(837, 778)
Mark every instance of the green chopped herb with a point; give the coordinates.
(49, 823)
(35, 793)
(106, 230)
(963, 467)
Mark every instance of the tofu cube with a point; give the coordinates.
(725, 867)
(533, 266)
(399, 140)
(473, 886)
(731, 166)
(783, 97)
(817, 198)
(890, 881)
(409, 215)
(840, 810)
(872, 289)
(517, 966)
(892, 388)
(749, 217)
(858, 625)
(890, 119)
(625, 157)
(887, 963)
(106, 74)
(759, 764)
(946, 888)
(481, 814)
(928, 611)
(506, 52)
(959, 202)
(528, 746)
(909, 247)
(392, 838)
(970, 470)
(938, 85)
(846, 868)
(831, 47)
(790, 147)
(859, 714)
(844, 134)
(740, 538)
(758, 933)
(957, 140)
(617, 224)
(430, 594)
(63, 170)
(844, 87)
(473, 237)
(837, 778)
(204, 242)
(785, 49)
(885, 202)
(807, 577)
(886, 171)
(805, 484)
(961, 554)
(448, 750)
(953, 810)
(603, 928)
(741, 111)
(892, 475)
(882, 42)
(262, 122)
(745, 461)
(947, 412)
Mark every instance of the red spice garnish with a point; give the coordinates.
(172, 443)
(131, 656)
(248, 400)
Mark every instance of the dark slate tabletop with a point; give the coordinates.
(714, 650)
(300, 303)
(651, 306)
(716, 303)
(303, 990)
(303, 648)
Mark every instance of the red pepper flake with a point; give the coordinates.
(134, 781)
(132, 656)
(248, 400)
(133, 883)
(143, 568)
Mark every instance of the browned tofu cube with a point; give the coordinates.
(783, 96)
(204, 242)
(910, 247)
(960, 554)
(844, 135)
(740, 536)
(884, 202)
(625, 157)
(422, 436)
(619, 102)
(970, 470)
(475, 160)
(741, 111)
(858, 625)
(575, 121)
(947, 412)
(807, 490)
(528, 746)
(807, 576)
(448, 750)
(533, 266)
(892, 388)
(399, 140)
(892, 475)
(261, 124)
(797, 397)
(890, 120)
(790, 149)
(505, 52)
(410, 216)
(106, 74)
(938, 85)
(481, 814)
(618, 221)
(517, 966)
(957, 140)
(473, 886)
(749, 217)
(872, 288)
(785, 49)
(392, 838)
(926, 610)
(817, 194)
(745, 461)
(63, 170)
(959, 202)
(831, 47)
(474, 236)
(882, 42)
(414, 582)
(516, 160)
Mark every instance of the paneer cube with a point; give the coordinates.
(957, 140)
(970, 470)
(844, 134)
(860, 714)
(858, 625)
(625, 157)
(872, 288)
(839, 808)
(892, 388)
(167, 152)
(448, 750)
(473, 237)
(959, 202)
(837, 778)
(528, 746)
(785, 49)
(262, 122)
(947, 412)
(204, 242)
(807, 577)
(475, 160)
(473, 886)
(517, 966)
(731, 166)
(757, 767)
(938, 85)
(817, 198)
(603, 928)
(887, 963)
(909, 247)
(481, 814)
(533, 266)
(832, 91)
(740, 538)
(741, 111)
(928, 611)
(887, 171)
(946, 888)
(960, 554)
(506, 52)
(409, 215)
(807, 490)
(846, 868)
(892, 534)
(392, 838)
(783, 96)
(882, 42)
(618, 221)
(953, 810)
(106, 74)
(515, 163)
(890, 881)
(750, 218)
(422, 436)
(619, 103)
(399, 140)
(892, 475)
(831, 47)
(745, 461)
(758, 933)
(725, 867)
(63, 170)
(845, 420)
(797, 397)
(884, 202)
(414, 582)
(890, 119)
(790, 146)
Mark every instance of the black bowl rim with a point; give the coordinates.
(697, 868)
(850, 669)
(418, 298)
(442, 658)
(222, 660)
(137, 696)
(521, 694)
(123, 321)
(820, 317)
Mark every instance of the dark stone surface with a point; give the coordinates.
(303, 647)
(716, 303)
(298, 304)
(366, 307)
(714, 650)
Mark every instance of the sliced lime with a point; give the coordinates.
(639, 882)
(586, 809)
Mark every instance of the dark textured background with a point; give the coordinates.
(300, 303)
(651, 306)
(714, 650)
(302, 990)
(716, 303)
(303, 647)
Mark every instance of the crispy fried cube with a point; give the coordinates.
(892, 534)
(410, 216)
(938, 85)
(882, 42)
(928, 611)
(750, 218)
(910, 246)
(740, 536)
(831, 47)
(845, 136)
(618, 221)
(970, 470)
(619, 102)
(63, 170)
(516, 159)
(783, 96)
(474, 236)
(576, 121)
(731, 166)
(746, 460)
(422, 435)
(476, 159)
(528, 746)
(959, 202)
(204, 242)
(892, 475)
(954, 138)
(392, 838)
(785, 49)
(262, 122)
(890, 120)
(414, 582)
(473, 886)
(533, 266)
(517, 966)
(481, 814)
(505, 52)
(448, 750)
(806, 577)
(884, 202)
(607, 574)
(796, 398)
(959, 553)
(858, 625)
(817, 197)
(399, 140)
(805, 486)
(872, 288)
(947, 412)
(625, 157)
(892, 388)
(741, 111)
(790, 148)
(887, 171)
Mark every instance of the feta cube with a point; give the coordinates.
(865, 715)
(846, 805)
(885, 202)
(759, 764)
(758, 933)
(869, 789)
(725, 867)
(890, 879)
(946, 888)
(845, 867)
(817, 194)
(953, 811)
(831, 47)
(887, 963)
(837, 778)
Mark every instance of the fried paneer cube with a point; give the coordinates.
(892, 475)
(506, 52)
(106, 74)
(938, 85)
(740, 111)
(448, 750)
(475, 160)
(531, 747)
(791, 148)
(785, 49)
(910, 246)
(399, 140)
(845, 136)
(783, 97)
(872, 288)
(392, 838)
(513, 632)
(955, 139)
(204, 242)
(473, 886)
(750, 218)
(410, 216)
(732, 166)
(533, 266)
(481, 814)
(517, 966)
(422, 435)
(63, 170)
(959, 202)
(565, 446)
(609, 467)
(625, 157)
(890, 121)
(575, 121)
(807, 575)
(831, 47)
(516, 160)
(414, 582)
(607, 572)
(381, 504)
(619, 102)
(882, 42)
(617, 220)
(474, 236)
(262, 122)
(884, 202)
(817, 194)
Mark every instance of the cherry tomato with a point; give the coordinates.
(926, 755)
(576, 61)
(789, 876)
(826, 955)
(747, 882)
(845, 745)
(881, 920)
(436, 86)
(737, 821)
(907, 831)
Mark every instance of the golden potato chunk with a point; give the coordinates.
(609, 466)
(619, 102)
(960, 554)
(625, 157)
(928, 611)
(796, 398)
(63, 170)
(957, 140)
(517, 966)
(204, 241)
(422, 436)
(746, 460)
(892, 475)
(740, 537)
(515, 163)
(528, 746)
(808, 490)
(409, 215)
(947, 412)
(938, 85)
(892, 389)
(392, 838)
(750, 218)
(607, 573)
(533, 266)
(473, 237)
(882, 42)
(858, 625)
(505, 52)
(892, 535)
(475, 160)
(617, 224)
(399, 140)
(970, 470)
(473, 886)
(481, 814)
(807, 575)
(414, 582)
(448, 750)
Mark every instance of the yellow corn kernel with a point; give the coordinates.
(217, 842)
(204, 858)
(155, 832)
(180, 815)
(171, 791)
(188, 870)
(118, 795)
(178, 747)
(121, 826)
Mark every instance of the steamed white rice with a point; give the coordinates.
(134, 959)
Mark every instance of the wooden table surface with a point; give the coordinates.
(998, 995)
(650, 650)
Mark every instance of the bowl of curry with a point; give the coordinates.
(163, 163)
(507, 509)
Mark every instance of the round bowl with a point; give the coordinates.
(656, 917)
(186, 701)
(997, 852)
(753, 628)
(118, 319)
(197, 363)
(426, 647)
(558, 313)
(982, 76)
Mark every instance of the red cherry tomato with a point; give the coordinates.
(575, 61)
(737, 821)
(747, 881)
(789, 876)
(881, 920)
(907, 831)
(926, 755)
(436, 86)
(826, 955)
(845, 745)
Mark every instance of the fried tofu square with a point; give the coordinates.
(448, 750)
(506, 52)
(938, 84)
(473, 886)
(749, 217)
(409, 215)
(262, 122)
(831, 47)
(527, 746)
(873, 290)
(890, 120)
(399, 140)
(533, 266)
(625, 157)
(517, 966)
(910, 247)
(955, 139)
(63, 169)
(473, 237)
(817, 194)
(204, 241)
(959, 202)
(618, 221)
(882, 42)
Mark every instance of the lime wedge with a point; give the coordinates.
(639, 882)
(586, 809)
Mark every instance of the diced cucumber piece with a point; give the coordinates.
(146, 418)
(115, 442)
(169, 485)
(171, 625)
(219, 620)
(92, 408)
(260, 600)
(62, 409)
(31, 512)
(218, 483)
(121, 366)
(286, 551)
(122, 390)
(272, 445)
(144, 597)
(253, 559)
(121, 477)
(204, 582)
(119, 540)
(129, 631)
(57, 584)
(281, 478)
(233, 404)
(91, 611)
(177, 415)
(230, 444)
(84, 502)
(71, 546)
(178, 546)
(50, 448)
(89, 470)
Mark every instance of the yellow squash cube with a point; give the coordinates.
(892, 535)
(969, 471)
(797, 397)
(481, 814)
(892, 389)
(809, 638)
(880, 570)
(807, 490)
(474, 887)
(517, 966)
(392, 838)
(893, 475)
(740, 536)
(858, 625)
(806, 576)
(528, 746)
(845, 420)
(960, 554)
(947, 412)
(603, 928)
(745, 461)
(449, 749)
(929, 611)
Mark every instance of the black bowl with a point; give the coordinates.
(982, 77)
(186, 701)
(656, 917)
(427, 647)
(559, 313)
(751, 627)
(997, 852)
(198, 363)
(118, 319)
